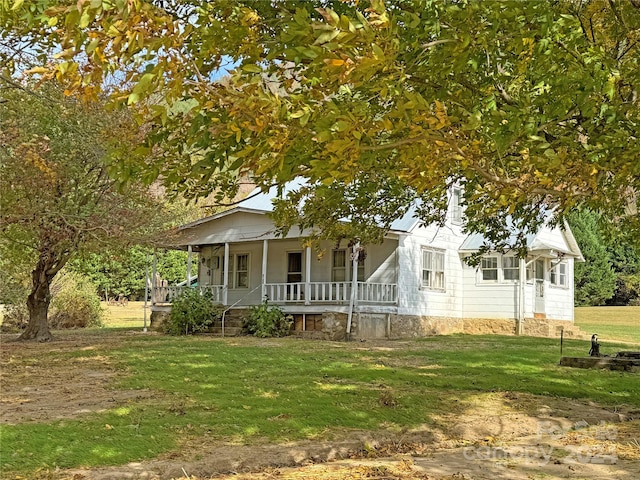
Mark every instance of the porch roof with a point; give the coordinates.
(260, 203)
(557, 240)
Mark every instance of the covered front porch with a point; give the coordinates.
(281, 271)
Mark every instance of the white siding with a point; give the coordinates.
(413, 299)
(250, 294)
(488, 300)
(559, 300)
(500, 300)
(240, 226)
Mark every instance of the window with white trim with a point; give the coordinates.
(510, 268)
(489, 268)
(558, 275)
(339, 265)
(432, 269)
(241, 276)
(339, 270)
(456, 205)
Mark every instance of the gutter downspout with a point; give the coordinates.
(354, 287)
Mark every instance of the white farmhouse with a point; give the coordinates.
(415, 283)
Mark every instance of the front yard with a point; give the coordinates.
(101, 399)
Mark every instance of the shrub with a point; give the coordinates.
(192, 311)
(268, 321)
(14, 318)
(74, 303)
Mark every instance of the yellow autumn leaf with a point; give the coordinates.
(36, 70)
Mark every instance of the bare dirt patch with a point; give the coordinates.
(37, 384)
(493, 435)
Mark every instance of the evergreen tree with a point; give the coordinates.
(595, 279)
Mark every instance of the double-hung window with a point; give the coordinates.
(341, 266)
(510, 268)
(558, 275)
(242, 270)
(433, 269)
(489, 267)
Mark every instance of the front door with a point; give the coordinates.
(539, 286)
(294, 276)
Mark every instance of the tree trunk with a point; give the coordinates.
(38, 305)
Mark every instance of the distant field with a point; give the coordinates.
(610, 323)
(132, 315)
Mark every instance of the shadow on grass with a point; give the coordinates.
(248, 391)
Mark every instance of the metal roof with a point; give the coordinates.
(261, 202)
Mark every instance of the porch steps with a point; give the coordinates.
(233, 321)
(228, 331)
(571, 331)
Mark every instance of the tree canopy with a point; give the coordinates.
(529, 106)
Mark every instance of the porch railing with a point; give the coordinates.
(331, 292)
(377, 292)
(300, 292)
(166, 294)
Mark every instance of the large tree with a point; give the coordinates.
(56, 196)
(530, 106)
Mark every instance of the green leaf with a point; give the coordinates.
(250, 68)
(305, 118)
(144, 84)
(85, 19)
(342, 125)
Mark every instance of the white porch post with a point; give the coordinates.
(354, 286)
(189, 257)
(521, 292)
(307, 280)
(154, 283)
(265, 252)
(225, 280)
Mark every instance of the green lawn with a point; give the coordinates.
(610, 323)
(249, 390)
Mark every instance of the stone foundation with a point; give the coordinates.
(157, 318)
(410, 326)
(393, 326)
(334, 326)
(489, 326)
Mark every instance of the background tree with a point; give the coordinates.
(625, 259)
(122, 271)
(595, 279)
(528, 105)
(611, 273)
(56, 195)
